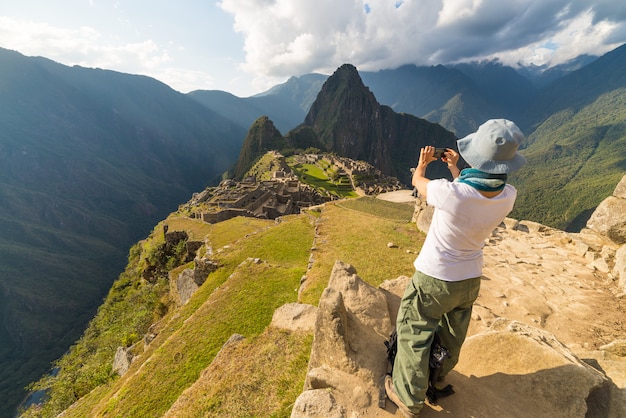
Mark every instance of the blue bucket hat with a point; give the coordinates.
(493, 147)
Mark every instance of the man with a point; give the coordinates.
(440, 295)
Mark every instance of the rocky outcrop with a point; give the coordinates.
(516, 370)
(509, 369)
(609, 221)
(348, 357)
(122, 361)
(295, 317)
(609, 218)
(158, 265)
(422, 215)
(620, 266)
(189, 280)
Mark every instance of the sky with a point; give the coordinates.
(245, 47)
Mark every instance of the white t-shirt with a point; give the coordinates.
(463, 219)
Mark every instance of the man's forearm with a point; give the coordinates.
(419, 179)
(454, 170)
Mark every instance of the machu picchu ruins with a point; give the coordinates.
(284, 192)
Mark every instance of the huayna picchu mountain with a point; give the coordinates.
(349, 121)
(346, 119)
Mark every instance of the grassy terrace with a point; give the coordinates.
(357, 232)
(323, 176)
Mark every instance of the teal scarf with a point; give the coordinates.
(485, 182)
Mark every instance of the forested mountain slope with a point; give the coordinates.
(89, 161)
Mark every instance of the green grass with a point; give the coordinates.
(254, 292)
(381, 208)
(238, 298)
(357, 232)
(246, 308)
(265, 167)
(267, 384)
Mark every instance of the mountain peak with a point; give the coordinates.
(347, 70)
(262, 136)
(343, 87)
(345, 78)
(348, 120)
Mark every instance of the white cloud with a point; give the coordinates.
(33, 37)
(454, 10)
(283, 37)
(86, 47)
(83, 46)
(570, 39)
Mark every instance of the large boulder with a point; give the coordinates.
(122, 361)
(295, 317)
(515, 370)
(190, 280)
(609, 218)
(348, 356)
(422, 215)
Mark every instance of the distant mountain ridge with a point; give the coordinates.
(579, 88)
(576, 144)
(542, 75)
(459, 97)
(286, 103)
(89, 160)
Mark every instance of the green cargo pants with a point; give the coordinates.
(429, 305)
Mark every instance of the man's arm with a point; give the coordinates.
(419, 179)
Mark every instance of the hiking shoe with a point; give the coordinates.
(391, 394)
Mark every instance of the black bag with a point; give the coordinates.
(392, 347)
(438, 354)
